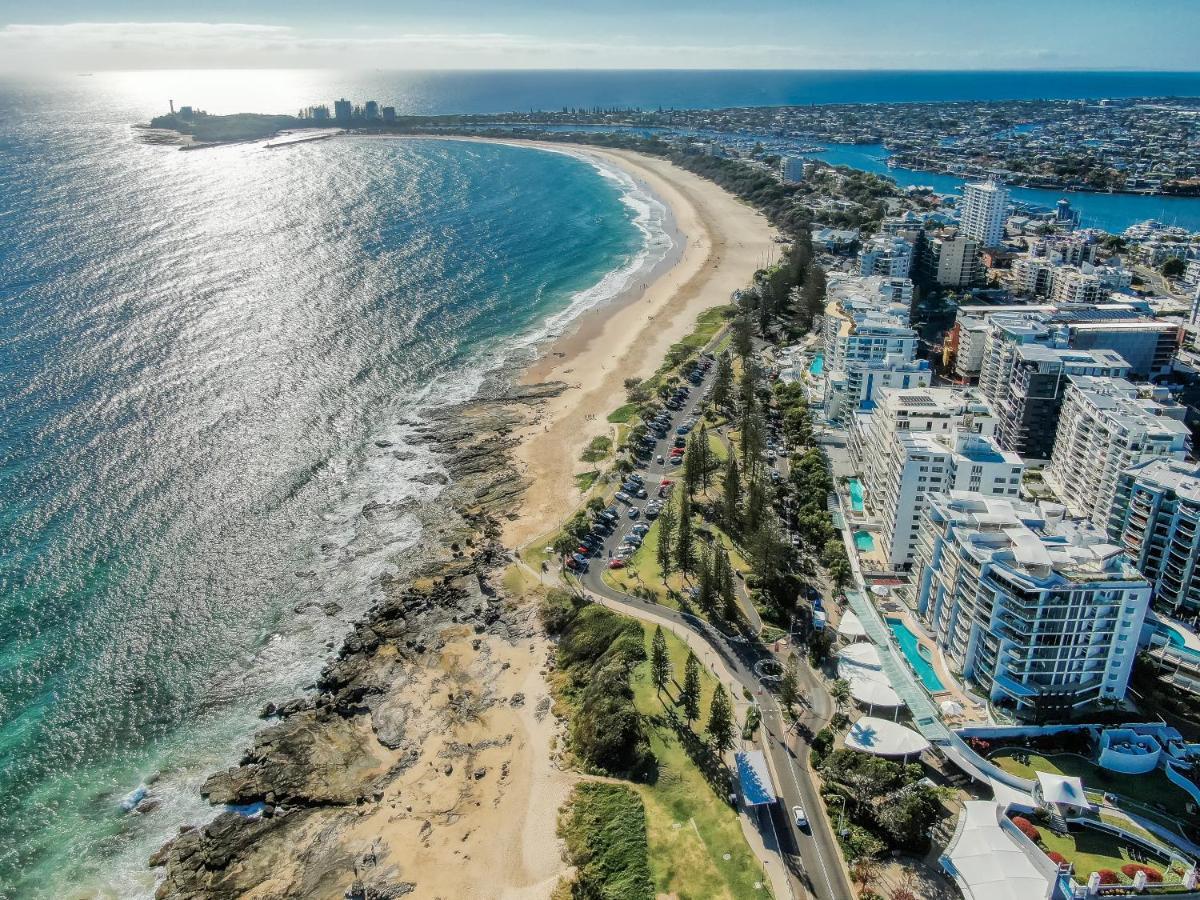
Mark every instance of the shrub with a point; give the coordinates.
(1152, 874)
(604, 827)
(1028, 829)
(1108, 876)
(822, 742)
(1057, 858)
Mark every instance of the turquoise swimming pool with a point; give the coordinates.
(856, 495)
(818, 364)
(911, 648)
(864, 540)
(1175, 639)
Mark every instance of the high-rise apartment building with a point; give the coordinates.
(889, 256)
(1156, 520)
(1106, 426)
(1024, 376)
(983, 211)
(914, 443)
(1038, 612)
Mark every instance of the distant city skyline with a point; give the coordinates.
(473, 34)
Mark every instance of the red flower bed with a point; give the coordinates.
(1152, 874)
(1108, 876)
(1057, 858)
(1028, 829)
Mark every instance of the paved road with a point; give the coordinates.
(811, 854)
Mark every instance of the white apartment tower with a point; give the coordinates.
(918, 442)
(869, 344)
(983, 212)
(1106, 426)
(1038, 612)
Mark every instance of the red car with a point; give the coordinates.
(616, 563)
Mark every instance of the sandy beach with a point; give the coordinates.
(499, 841)
(459, 751)
(726, 241)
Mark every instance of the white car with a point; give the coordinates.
(799, 817)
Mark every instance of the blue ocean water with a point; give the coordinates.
(198, 354)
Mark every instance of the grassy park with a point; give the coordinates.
(690, 826)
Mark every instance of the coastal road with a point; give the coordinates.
(810, 855)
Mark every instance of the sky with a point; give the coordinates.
(76, 35)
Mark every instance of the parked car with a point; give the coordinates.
(616, 563)
(683, 429)
(623, 497)
(634, 512)
(640, 528)
(635, 478)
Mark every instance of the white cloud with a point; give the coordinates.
(133, 45)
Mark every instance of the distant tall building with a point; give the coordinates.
(371, 110)
(983, 212)
(791, 169)
(343, 111)
(389, 114)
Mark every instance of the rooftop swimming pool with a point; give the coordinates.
(911, 648)
(856, 495)
(818, 364)
(864, 541)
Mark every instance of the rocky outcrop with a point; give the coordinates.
(328, 758)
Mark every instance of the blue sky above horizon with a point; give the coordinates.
(478, 34)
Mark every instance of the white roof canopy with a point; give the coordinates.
(882, 737)
(987, 863)
(1063, 789)
(851, 627)
(861, 654)
(874, 691)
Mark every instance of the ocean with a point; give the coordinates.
(210, 363)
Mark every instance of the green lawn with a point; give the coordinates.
(623, 414)
(688, 861)
(598, 449)
(1091, 850)
(1152, 789)
(717, 446)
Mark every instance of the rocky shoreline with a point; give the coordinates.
(379, 739)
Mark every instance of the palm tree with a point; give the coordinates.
(840, 692)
